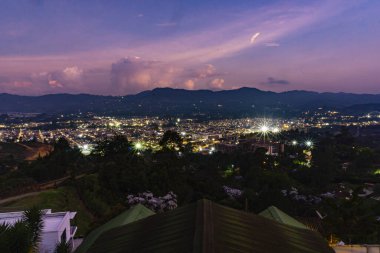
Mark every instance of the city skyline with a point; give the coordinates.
(115, 48)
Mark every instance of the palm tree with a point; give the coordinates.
(3, 236)
(33, 220)
(23, 236)
(15, 238)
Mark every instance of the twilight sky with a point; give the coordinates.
(114, 47)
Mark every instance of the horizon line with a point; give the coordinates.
(190, 90)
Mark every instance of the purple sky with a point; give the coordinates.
(123, 47)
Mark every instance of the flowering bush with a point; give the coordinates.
(232, 192)
(157, 204)
(293, 194)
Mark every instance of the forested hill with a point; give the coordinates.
(177, 102)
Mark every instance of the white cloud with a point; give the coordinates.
(217, 84)
(131, 75)
(55, 84)
(254, 38)
(272, 44)
(72, 73)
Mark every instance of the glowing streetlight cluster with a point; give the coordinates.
(307, 143)
(265, 129)
(138, 146)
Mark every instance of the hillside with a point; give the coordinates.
(179, 102)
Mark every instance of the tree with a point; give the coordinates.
(62, 247)
(119, 144)
(363, 161)
(16, 238)
(33, 219)
(23, 235)
(61, 145)
(353, 220)
(171, 140)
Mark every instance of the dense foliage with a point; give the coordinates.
(323, 182)
(23, 236)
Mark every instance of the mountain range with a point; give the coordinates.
(179, 102)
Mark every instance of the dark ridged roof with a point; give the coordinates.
(207, 227)
(276, 214)
(135, 213)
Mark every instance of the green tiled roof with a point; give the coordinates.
(276, 214)
(135, 213)
(206, 227)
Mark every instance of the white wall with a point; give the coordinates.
(48, 242)
(357, 249)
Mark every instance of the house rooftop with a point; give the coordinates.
(276, 214)
(208, 227)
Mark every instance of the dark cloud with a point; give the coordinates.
(273, 81)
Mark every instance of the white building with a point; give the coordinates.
(56, 228)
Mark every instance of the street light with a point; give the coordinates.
(264, 129)
(309, 143)
(138, 146)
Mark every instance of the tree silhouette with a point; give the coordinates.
(171, 140)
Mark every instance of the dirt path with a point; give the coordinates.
(10, 199)
(42, 187)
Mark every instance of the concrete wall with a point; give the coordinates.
(48, 242)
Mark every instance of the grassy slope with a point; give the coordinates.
(60, 199)
(22, 151)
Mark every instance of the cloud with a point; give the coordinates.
(55, 84)
(22, 84)
(130, 75)
(189, 84)
(254, 37)
(72, 73)
(168, 24)
(133, 74)
(273, 81)
(216, 84)
(125, 76)
(69, 78)
(272, 44)
(202, 71)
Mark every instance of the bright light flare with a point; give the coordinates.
(309, 143)
(138, 146)
(294, 142)
(264, 129)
